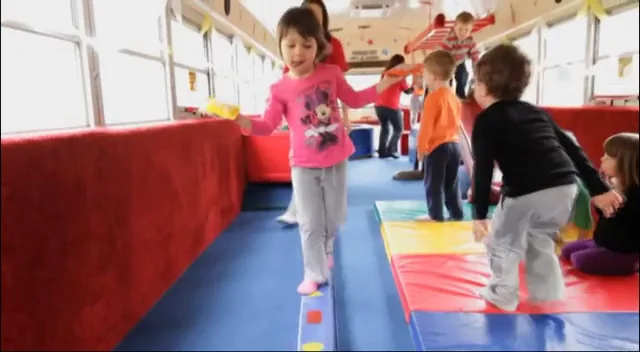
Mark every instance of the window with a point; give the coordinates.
(223, 57)
(360, 82)
(612, 49)
(618, 34)
(364, 81)
(566, 41)
(225, 89)
(610, 81)
(247, 98)
(267, 70)
(258, 70)
(244, 75)
(133, 89)
(190, 58)
(563, 85)
(54, 85)
(243, 61)
(563, 76)
(256, 88)
(529, 46)
(133, 25)
(188, 45)
(50, 14)
(268, 79)
(191, 94)
(278, 71)
(223, 53)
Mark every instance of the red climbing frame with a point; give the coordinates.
(438, 30)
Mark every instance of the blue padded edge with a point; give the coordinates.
(325, 332)
(437, 331)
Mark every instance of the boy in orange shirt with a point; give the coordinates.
(438, 138)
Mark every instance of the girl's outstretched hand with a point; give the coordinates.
(389, 80)
(386, 82)
(244, 122)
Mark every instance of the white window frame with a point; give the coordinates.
(595, 43)
(543, 55)
(80, 9)
(205, 69)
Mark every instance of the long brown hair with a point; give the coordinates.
(325, 16)
(302, 20)
(394, 61)
(623, 147)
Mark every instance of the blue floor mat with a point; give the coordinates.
(266, 196)
(369, 313)
(240, 294)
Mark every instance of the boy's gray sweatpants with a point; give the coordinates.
(320, 198)
(525, 228)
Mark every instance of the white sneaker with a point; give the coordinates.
(287, 218)
(423, 218)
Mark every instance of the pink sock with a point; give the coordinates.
(330, 261)
(307, 287)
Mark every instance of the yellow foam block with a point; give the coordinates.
(417, 237)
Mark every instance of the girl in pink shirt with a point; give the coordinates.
(320, 146)
(335, 56)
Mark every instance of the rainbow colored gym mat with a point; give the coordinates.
(438, 270)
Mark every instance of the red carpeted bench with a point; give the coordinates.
(97, 225)
(591, 125)
(267, 158)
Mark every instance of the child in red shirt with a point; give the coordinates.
(461, 45)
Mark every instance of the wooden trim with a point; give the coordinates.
(367, 64)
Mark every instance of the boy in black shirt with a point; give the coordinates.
(540, 165)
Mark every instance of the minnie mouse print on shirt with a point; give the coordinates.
(319, 119)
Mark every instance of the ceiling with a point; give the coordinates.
(376, 17)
